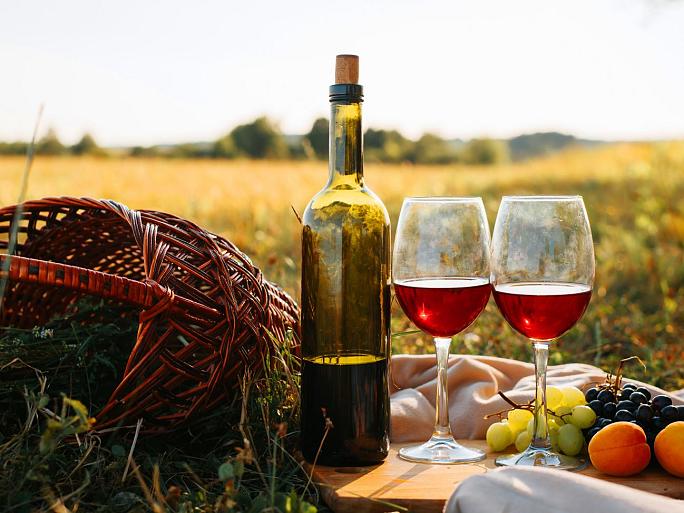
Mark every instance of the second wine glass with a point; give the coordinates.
(542, 275)
(440, 272)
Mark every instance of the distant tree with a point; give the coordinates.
(190, 151)
(224, 148)
(260, 139)
(13, 148)
(432, 149)
(50, 144)
(141, 151)
(373, 138)
(86, 146)
(299, 148)
(386, 146)
(542, 143)
(485, 151)
(318, 137)
(303, 150)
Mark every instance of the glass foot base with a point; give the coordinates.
(443, 451)
(534, 457)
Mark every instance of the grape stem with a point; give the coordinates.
(613, 382)
(516, 406)
(618, 374)
(509, 401)
(529, 407)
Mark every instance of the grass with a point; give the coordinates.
(238, 458)
(50, 461)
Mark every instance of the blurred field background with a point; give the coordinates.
(633, 192)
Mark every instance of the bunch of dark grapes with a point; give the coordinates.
(631, 404)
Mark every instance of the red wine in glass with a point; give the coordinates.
(542, 310)
(442, 307)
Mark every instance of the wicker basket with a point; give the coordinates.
(205, 311)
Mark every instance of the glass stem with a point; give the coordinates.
(442, 426)
(540, 439)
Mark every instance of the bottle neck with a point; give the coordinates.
(346, 145)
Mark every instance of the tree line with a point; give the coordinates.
(50, 144)
(262, 139)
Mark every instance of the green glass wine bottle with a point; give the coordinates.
(345, 298)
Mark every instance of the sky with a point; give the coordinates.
(156, 72)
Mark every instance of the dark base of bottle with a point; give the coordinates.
(355, 400)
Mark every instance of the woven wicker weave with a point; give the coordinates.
(205, 311)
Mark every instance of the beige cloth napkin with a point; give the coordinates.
(533, 490)
(473, 383)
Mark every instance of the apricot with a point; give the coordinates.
(620, 449)
(669, 448)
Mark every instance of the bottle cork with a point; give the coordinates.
(347, 69)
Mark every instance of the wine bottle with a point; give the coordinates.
(345, 298)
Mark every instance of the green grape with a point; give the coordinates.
(516, 432)
(554, 441)
(518, 419)
(570, 440)
(553, 424)
(522, 441)
(499, 436)
(554, 397)
(562, 414)
(583, 417)
(572, 396)
(559, 422)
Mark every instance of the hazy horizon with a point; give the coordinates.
(166, 73)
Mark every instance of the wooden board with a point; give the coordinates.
(425, 488)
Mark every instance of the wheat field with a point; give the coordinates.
(633, 192)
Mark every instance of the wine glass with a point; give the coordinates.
(542, 262)
(440, 272)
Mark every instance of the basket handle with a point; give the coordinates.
(29, 270)
(141, 293)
